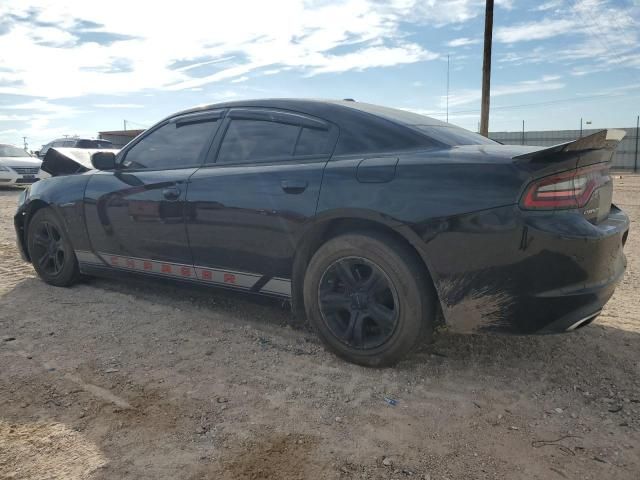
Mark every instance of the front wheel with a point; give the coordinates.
(50, 250)
(369, 298)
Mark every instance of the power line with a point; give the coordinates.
(600, 35)
(550, 102)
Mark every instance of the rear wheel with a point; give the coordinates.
(50, 250)
(369, 298)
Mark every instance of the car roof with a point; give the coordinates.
(332, 110)
(76, 139)
(363, 127)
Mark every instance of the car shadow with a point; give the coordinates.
(171, 339)
(601, 349)
(6, 191)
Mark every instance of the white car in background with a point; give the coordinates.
(17, 167)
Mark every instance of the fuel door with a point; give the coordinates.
(377, 169)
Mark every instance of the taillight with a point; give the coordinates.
(565, 190)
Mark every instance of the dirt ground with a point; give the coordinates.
(114, 379)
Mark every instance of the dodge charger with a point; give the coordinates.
(379, 224)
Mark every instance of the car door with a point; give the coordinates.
(135, 214)
(248, 206)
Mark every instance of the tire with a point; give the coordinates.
(352, 317)
(50, 250)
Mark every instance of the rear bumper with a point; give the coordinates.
(510, 271)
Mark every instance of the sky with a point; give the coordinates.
(76, 67)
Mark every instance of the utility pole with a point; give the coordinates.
(580, 127)
(522, 132)
(486, 69)
(635, 162)
(447, 88)
(125, 125)
(24, 140)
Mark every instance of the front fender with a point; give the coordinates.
(65, 196)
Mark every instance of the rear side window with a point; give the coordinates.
(452, 136)
(173, 145)
(248, 141)
(313, 141)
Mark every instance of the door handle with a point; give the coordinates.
(294, 186)
(171, 193)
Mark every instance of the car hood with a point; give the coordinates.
(20, 162)
(69, 161)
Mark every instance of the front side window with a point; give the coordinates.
(173, 145)
(248, 141)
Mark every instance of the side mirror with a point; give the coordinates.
(37, 153)
(104, 160)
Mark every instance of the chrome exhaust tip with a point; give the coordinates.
(583, 321)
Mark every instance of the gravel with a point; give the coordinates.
(149, 380)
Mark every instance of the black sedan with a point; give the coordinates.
(378, 223)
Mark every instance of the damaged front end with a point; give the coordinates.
(70, 161)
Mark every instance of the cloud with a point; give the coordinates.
(594, 19)
(598, 36)
(372, 57)
(110, 65)
(534, 30)
(41, 106)
(118, 105)
(544, 83)
(551, 5)
(13, 118)
(36, 116)
(75, 43)
(462, 42)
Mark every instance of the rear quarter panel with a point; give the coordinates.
(427, 185)
(457, 207)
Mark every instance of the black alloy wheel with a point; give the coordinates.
(369, 297)
(48, 248)
(50, 251)
(358, 303)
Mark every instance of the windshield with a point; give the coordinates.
(94, 144)
(10, 151)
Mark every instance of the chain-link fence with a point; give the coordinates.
(626, 156)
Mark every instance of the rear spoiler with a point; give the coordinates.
(70, 161)
(603, 140)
